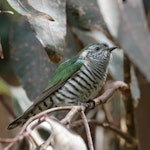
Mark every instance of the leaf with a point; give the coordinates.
(20, 99)
(6, 71)
(87, 14)
(40, 14)
(110, 11)
(63, 138)
(135, 90)
(84, 36)
(29, 60)
(133, 35)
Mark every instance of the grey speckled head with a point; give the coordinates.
(97, 52)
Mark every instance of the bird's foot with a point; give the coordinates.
(90, 104)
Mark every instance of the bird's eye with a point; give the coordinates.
(97, 48)
(105, 44)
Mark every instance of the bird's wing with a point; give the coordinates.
(65, 71)
(61, 75)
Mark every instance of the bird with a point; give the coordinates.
(77, 80)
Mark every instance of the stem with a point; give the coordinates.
(108, 126)
(87, 129)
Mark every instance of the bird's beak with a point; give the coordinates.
(112, 48)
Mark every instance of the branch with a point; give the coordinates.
(73, 110)
(87, 129)
(109, 126)
(112, 88)
(71, 114)
(128, 100)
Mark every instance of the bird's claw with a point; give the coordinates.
(90, 104)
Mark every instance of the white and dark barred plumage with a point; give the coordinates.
(85, 77)
(84, 86)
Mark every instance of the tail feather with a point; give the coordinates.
(32, 110)
(22, 119)
(18, 121)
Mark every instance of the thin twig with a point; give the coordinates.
(108, 115)
(129, 139)
(105, 97)
(71, 114)
(48, 141)
(87, 129)
(23, 131)
(128, 98)
(6, 140)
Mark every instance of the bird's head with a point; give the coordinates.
(98, 52)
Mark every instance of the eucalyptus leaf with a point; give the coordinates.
(48, 19)
(29, 59)
(133, 35)
(87, 14)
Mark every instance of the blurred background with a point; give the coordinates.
(42, 34)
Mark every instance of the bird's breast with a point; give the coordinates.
(83, 86)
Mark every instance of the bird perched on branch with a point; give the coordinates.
(75, 81)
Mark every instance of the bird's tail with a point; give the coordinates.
(18, 121)
(41, 103)
(23, 118)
